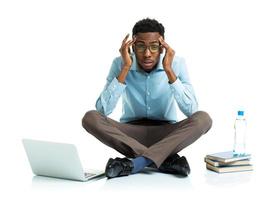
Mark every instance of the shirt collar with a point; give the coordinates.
(135, 66)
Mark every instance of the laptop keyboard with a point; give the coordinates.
(89, 174)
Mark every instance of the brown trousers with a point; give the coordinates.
(152, 139)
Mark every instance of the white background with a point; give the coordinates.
(55, 56)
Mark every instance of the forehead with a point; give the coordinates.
(147, 37)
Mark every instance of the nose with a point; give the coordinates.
(147, 53)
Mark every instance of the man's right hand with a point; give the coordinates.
(125, 51)
(127, 60)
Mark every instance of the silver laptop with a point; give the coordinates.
(56, 160)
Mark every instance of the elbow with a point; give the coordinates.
(100, 107)
(191, 108)
(102, 110)
(194, 107)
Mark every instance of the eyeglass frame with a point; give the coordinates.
(147, 47)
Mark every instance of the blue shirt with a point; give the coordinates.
(148, 95)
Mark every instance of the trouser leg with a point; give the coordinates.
(182, 134)
(154, 142)
(122, 137)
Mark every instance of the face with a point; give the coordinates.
(147, 50)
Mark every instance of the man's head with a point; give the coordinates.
(147, 47)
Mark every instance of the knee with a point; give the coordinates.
(203, 120)
(90, 118)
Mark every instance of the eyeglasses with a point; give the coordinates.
(141, 48)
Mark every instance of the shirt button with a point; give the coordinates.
(148, 77)
(148, 93)
(149, 107)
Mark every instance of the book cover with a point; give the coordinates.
(227, 169)
(227, 156)
(221, 164)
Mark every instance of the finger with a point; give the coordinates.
(163, 43)
(134, 38)
(131, 42)
(125, 46)
(124, 42)
(161, 40)
(128, 44)
(126, 37)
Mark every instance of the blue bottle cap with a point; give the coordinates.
(240, 113)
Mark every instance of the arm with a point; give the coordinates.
(183, 90)
(180, 84)
(112, 91)
(115, 81)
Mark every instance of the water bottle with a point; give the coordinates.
(240, 134)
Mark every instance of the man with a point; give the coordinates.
(150, 82)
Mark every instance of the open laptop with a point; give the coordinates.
(56, 160)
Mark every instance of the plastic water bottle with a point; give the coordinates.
(240, 134)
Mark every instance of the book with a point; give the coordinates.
(227, 157)
(221, 164)
(225, 169)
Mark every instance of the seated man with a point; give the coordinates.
(150, 82)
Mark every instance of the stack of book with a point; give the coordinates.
(228, 162)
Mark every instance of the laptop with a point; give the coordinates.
(57, 160)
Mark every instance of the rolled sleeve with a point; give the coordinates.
(110, 96)
(185, 97)
(116, 88)
(112, 91)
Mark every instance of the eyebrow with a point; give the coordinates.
(141, 41)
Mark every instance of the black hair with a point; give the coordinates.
(148, 25)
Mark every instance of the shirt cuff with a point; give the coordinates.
(177, 88)
(116, 88)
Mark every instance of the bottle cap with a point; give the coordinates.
(240, 113)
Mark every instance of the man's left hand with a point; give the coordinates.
(167, 60)
(169, 54)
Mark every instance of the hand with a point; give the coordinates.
(169, 54)
(125, 51)
(167, 61)
(127, 60)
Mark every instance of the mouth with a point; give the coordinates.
(148, 63)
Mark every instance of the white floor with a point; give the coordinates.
(19, 182)
(149, 184)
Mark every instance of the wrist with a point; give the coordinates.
(168, 69)
(123, 74)
(126, 67)
(170, 74)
